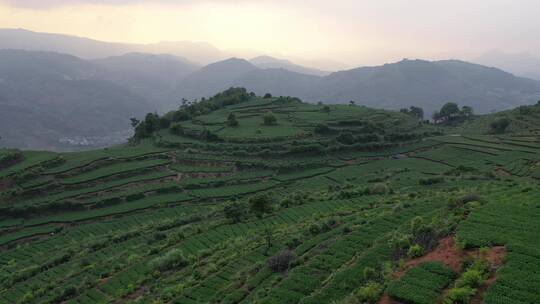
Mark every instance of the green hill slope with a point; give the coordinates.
(315, 205)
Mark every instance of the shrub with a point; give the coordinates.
(234, 211)
(281, 261)
(181, 116)
(231, 120)
(471, 278)
(314, 229)
(460, 295)
(431, 181)
(173, 259)
(269, 119)
(415, 251)
(346, 138)
(369, 273)
(208, 135)
(260, 204)
(461, 201)
(499, 126)
(369, 293)
(176, 129)
(379, 189)
(322, 129)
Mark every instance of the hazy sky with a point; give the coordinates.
(354, 32)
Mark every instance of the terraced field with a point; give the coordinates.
(312, 215)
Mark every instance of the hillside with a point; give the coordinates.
(153, 77)
(267, 62)
(391, 86)
(214, 78)
(52, 101)
(430, 85)
(243, 199)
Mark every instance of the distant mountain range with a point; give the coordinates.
(53, 101)
(267, 62)
(391, 86)
(59, 101)
(199, 52)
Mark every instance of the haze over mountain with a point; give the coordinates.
(391, 86)
(200, 52)
(267, 62)
(154, 77)
(522, 64)
(214, 77)
(51, 101)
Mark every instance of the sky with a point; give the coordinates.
(352, 32)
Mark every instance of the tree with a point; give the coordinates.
(208, 135)
(449, 109)
(281, 262)
(260, 204)
(176, 129)
(269, 119)
(134, 122)
(417, 112)
(414, 112)
(181, 115)
(164, 123)
(322, 129)
(231, 120)
(448, 113)
(326, 109)
(467, 111)
(369, 293)
(499, 126)
(183, 103)
(151, 122)
(352, 103)
(346, 138)
(267, 96)
(234, 211)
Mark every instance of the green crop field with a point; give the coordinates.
(242, 199)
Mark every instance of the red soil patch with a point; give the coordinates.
(446, 252)
(451, 256)
(387, 300)
(495, 256)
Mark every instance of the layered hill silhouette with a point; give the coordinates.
(54, 100)
(200, 52)
(49, 101)
(428, 84)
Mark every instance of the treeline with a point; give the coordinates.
(9, 158)
(187, 110)
(450, 113)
